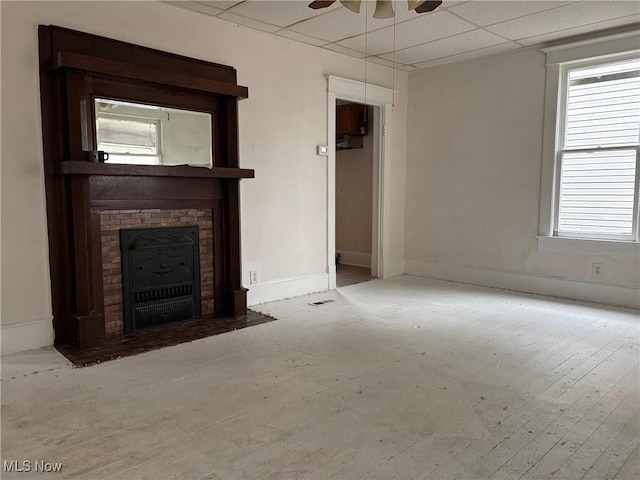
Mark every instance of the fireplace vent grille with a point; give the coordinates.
(163, 312)
(163, 294)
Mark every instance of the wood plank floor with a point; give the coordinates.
(350, 275)
(405, 378)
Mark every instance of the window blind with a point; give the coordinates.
(598, 162)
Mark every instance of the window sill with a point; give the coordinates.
(592, 247)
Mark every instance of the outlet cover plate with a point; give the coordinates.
(597, 270)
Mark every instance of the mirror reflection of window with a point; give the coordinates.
(149, 135)
(129, 139)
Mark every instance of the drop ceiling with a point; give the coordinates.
(455, 31)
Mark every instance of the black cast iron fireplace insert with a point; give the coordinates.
(160, 276)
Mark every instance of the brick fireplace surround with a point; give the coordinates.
(111, 221)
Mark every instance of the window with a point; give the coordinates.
(597, 194)
(592, 141)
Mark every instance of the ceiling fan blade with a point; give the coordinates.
(412, 4)
(321, 4)
(428, 6)
(384, 9)
(353, 5)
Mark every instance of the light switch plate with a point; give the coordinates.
(323, 150)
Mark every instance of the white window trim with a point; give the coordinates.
(600, 49)
(588, 246)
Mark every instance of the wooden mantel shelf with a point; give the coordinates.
(120, 170)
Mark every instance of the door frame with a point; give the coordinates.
(371, 95)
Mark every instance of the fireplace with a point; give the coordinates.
(88, 203)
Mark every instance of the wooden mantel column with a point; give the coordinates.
(236, 295)
(88, 323)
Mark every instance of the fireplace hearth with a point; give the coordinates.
(160, 276)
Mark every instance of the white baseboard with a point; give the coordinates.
(394, 269)
(286, 288)
(522, 282)
(357, 259)
(17, 337)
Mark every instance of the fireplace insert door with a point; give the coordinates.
(160, 276)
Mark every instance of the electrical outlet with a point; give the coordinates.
(250, 272)
(597, 271)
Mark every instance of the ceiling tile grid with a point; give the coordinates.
(446, 46)
(564, 17)
(248, 22)
(584, 29)
(481, 52)
(491, 12)
(299, 37)
(418, 30)
(455, 31)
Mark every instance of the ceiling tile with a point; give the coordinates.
(372, 43)
(382, 61)
(248, 22)
(419, 30)
(481, 52)
(408, 68)
(562, 18)
(447, 46)
(280, 13)
(197, 7)
(345, 51)
(402, 12)
(548, 37)
(486, 13)
(222, 4)
(339, 24)
(301, 38)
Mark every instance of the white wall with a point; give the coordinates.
(284, 213)
(354, 191)
(473, 184)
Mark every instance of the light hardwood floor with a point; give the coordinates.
(403, 378)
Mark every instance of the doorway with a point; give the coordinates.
(356, 128)
(380, 125)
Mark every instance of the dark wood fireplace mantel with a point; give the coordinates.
(75, 68)
(184, 171)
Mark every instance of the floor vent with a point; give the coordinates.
(321, 302)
